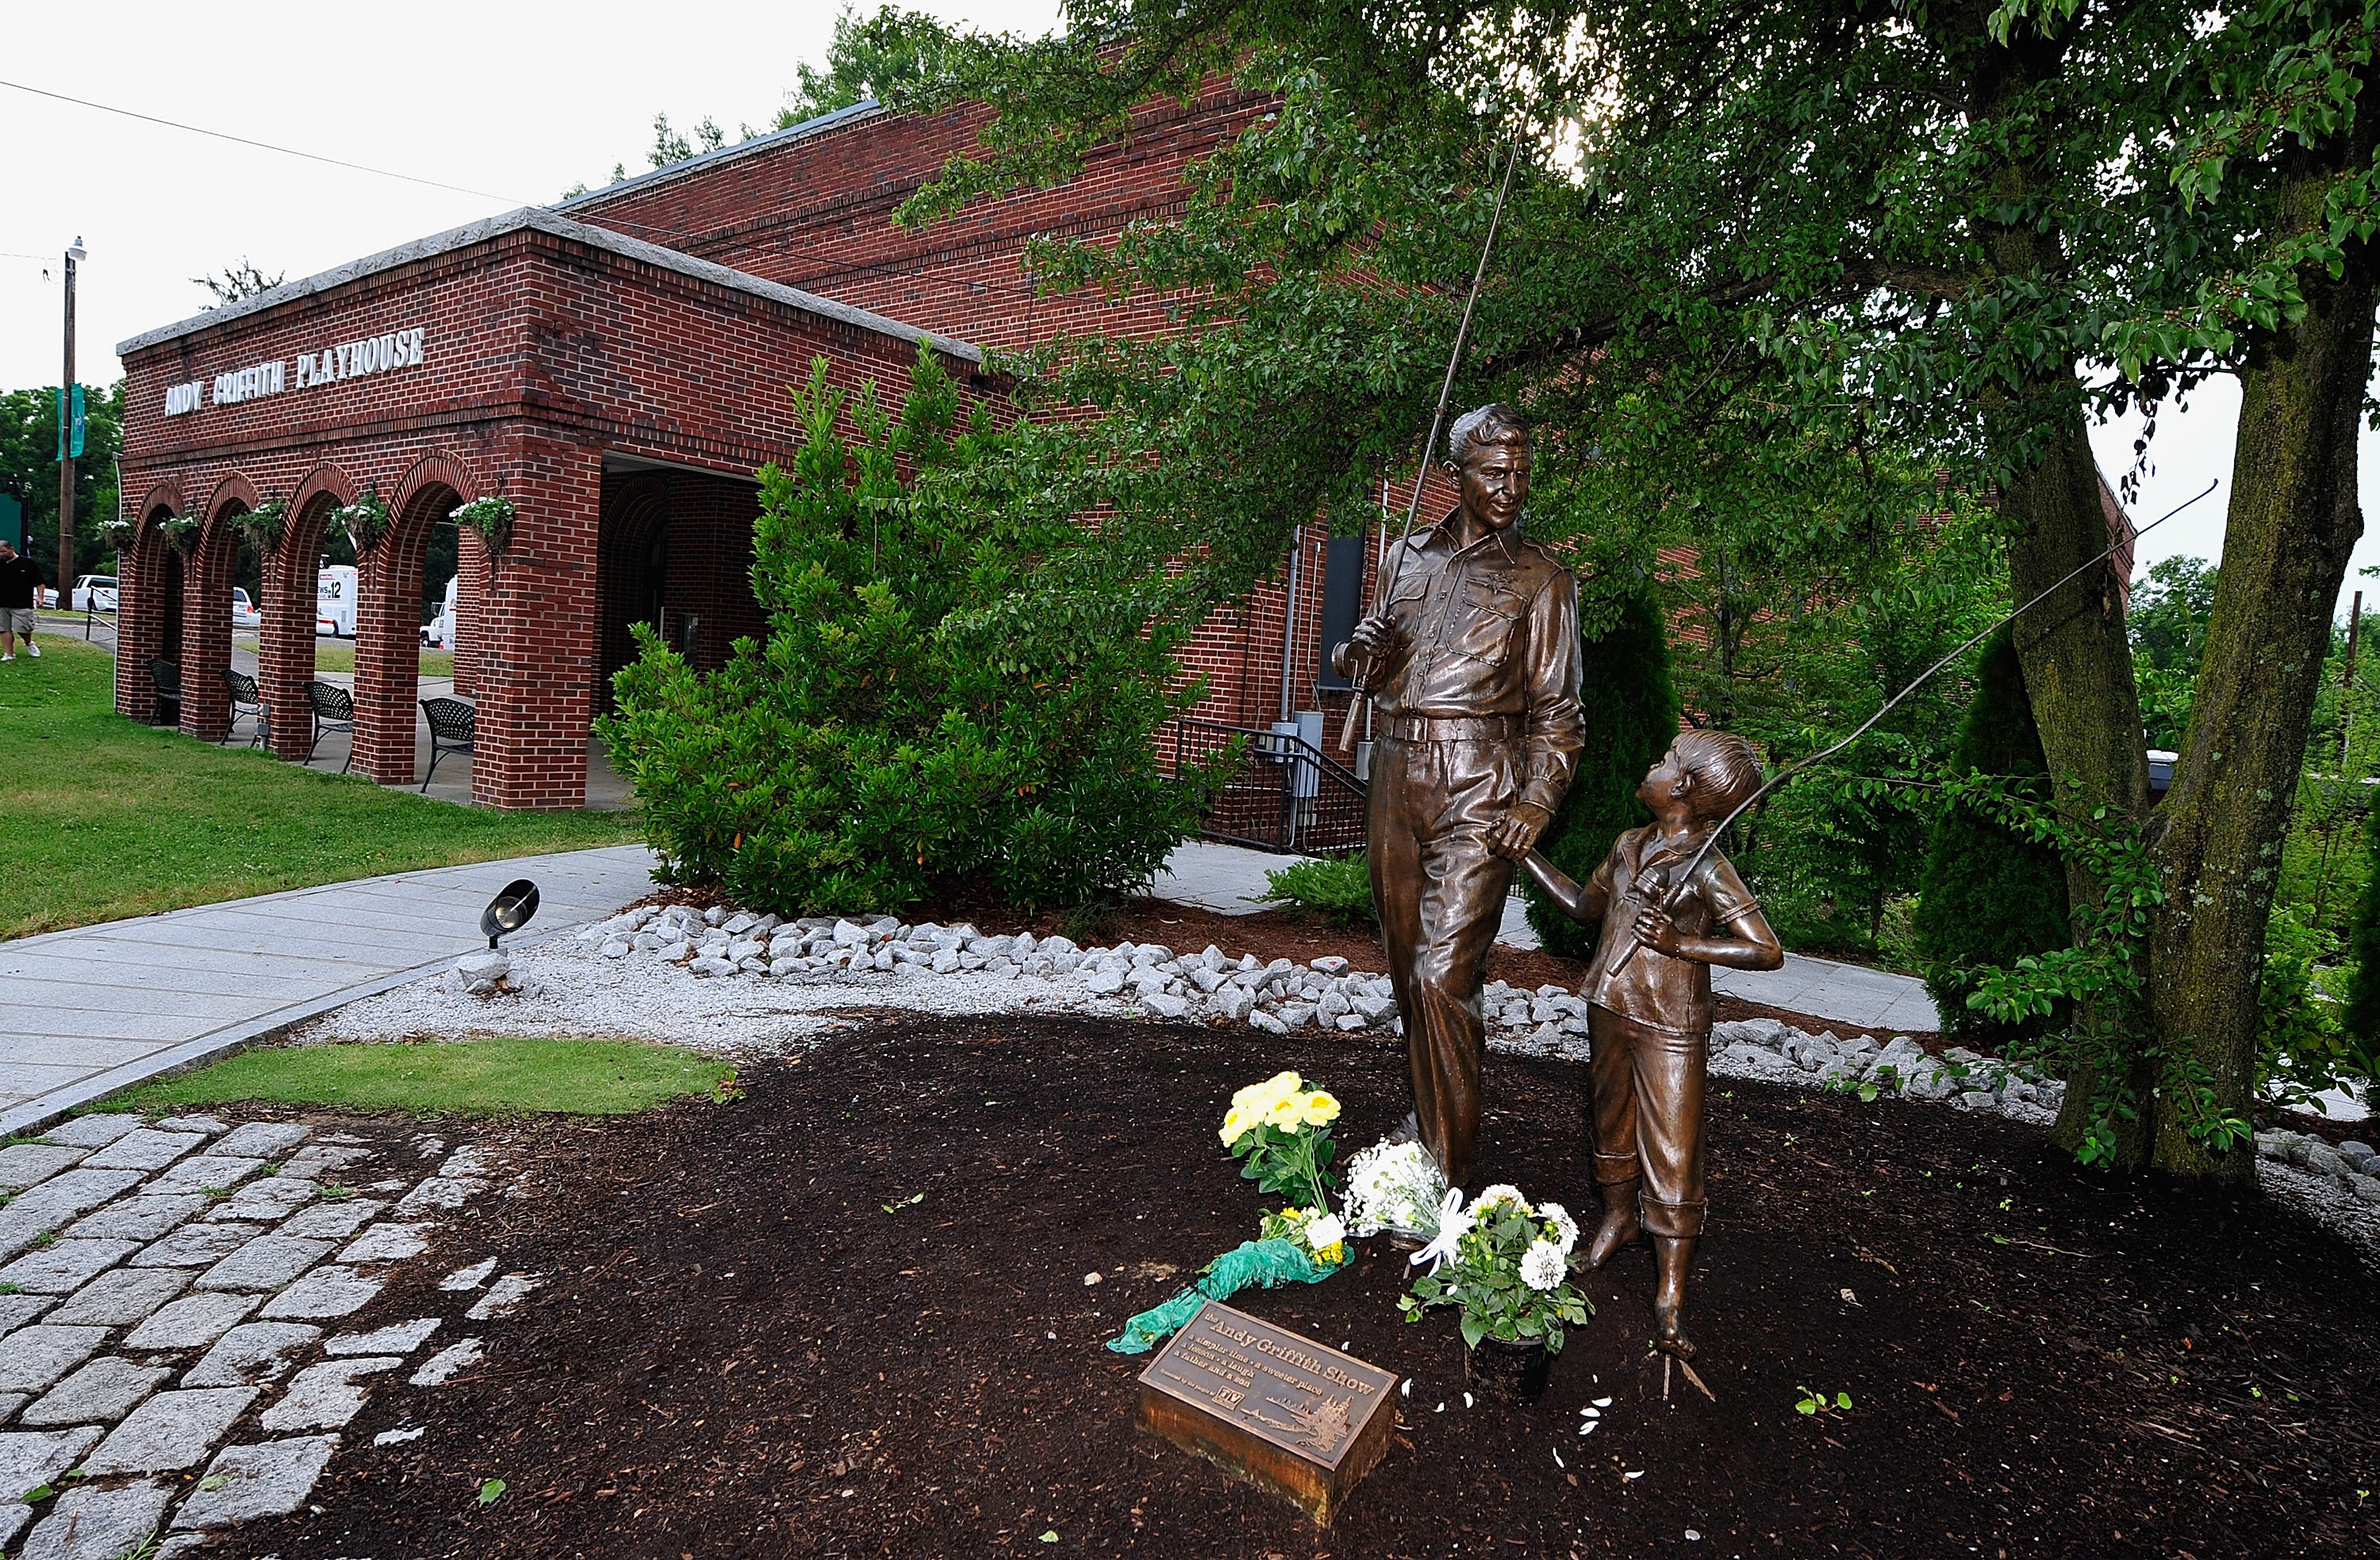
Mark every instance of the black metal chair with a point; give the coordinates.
(245, 700)
(334, 710)
(165, 676)
(452, 724)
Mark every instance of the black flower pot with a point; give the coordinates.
(1510, 1374)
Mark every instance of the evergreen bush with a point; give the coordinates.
(1631, 713)
(1989, 895)
(957, 696)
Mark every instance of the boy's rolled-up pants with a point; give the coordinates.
(1648, 1119)
(1440, 893)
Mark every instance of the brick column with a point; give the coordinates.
(206, 630)
(286, 651)
(471, 574)
(536, 655)
(140, 620)
(388, 652)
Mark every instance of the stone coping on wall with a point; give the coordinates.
(541, 220)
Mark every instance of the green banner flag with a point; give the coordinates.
(71, 423)
(80, 424)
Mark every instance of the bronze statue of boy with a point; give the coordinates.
(1650, 1002)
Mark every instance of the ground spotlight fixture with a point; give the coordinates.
(509, 911)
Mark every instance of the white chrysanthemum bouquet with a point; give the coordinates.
(1507, 1265)
(1394, 1186)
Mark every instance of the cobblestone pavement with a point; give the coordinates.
(176, 1354)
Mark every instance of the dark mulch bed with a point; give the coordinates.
(740, 1352)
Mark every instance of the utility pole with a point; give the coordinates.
(68, 448)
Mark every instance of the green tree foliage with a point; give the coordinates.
(1631, 713)
(28, 468)
(897, 54)
(2168, 628)
(957, 695)
(1990, 895)
(2361, 1018)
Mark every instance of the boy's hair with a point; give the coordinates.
(1724, 767)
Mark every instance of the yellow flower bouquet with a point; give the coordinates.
(1281, 1130)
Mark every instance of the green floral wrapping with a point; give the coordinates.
(1253, 1263)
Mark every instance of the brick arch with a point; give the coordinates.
(435, 469)
(147, 603)
(286, 651)
(388, 617)
(205, 647)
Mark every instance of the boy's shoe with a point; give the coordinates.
(7, 658)
(33, 649)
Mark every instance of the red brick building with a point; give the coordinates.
(615, 367)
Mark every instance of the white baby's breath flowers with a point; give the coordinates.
(1543, 1267)
(1393, 1184)
(1559, 1216)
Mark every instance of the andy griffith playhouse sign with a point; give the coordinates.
(373, 354)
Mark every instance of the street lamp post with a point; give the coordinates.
(75, 254)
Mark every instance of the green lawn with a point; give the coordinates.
(445, 1078)
(339, 655)
(102, 817)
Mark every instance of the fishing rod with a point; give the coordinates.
(1437, 424)
(1668, 895)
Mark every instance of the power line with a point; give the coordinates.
(262, 146)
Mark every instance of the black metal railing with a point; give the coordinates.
(1285, 795)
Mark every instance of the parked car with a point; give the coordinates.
(335, 602)
(243, 611)
(94, 593)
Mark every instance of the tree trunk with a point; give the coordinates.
(2293, 520)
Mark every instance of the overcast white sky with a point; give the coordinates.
(520, 101)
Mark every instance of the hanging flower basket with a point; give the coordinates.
(262, 526)
(181, 531)
(492, 517)
(363, 523)
(117, 531)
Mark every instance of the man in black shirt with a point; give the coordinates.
(20, 593)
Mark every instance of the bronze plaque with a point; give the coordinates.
(1281, 1411)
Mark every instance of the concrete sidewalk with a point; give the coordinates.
(87, 1012)
(1227, 878)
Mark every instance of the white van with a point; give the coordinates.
(438, 633)
(334, 600)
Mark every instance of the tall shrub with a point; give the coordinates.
(1989, 895)
(1631, 713)
(957, 693)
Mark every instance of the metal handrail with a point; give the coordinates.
(1287, 796)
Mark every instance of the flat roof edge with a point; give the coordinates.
(543, 220)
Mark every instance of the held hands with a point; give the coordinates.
(1654, 930)
(1514, 835)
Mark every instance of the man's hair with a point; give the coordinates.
(1497, 424)
(1723, 764)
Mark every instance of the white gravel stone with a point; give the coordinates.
(388, 1243)
(103, 1391)
(98, 1522)
(270, 1479)
(470, 1277)
(198, 1245)
(250, 1353)
(333, 1219)
(502, 1295)
(93, 1131)
(137, 1218)
(65, 1265)
(192, 1322)
(207, 1172)
(122, 1299)
(323, 1294)
(264, 1140)
(171, 1430)
(27, 1164)
(325, 1397)
(266, 1263)
(402, 1338)
(448, 1362)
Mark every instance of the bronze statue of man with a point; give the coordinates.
(1472, 665)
